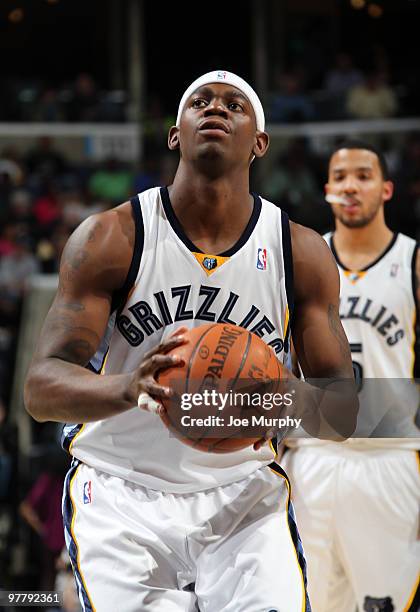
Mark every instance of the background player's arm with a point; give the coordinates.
(318, 336)
(94, 265)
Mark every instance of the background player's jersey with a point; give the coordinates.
(174, 284)
(378, 313)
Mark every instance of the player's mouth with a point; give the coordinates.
(213, 126)
(349, 204)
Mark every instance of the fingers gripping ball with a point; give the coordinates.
(222, 360)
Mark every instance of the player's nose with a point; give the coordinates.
(216, 107)
(349, 184)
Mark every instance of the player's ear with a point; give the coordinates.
(173, 138)
(262, 142)
(388, 190)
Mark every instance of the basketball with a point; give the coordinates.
(223, 359)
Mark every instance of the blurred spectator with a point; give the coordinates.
(48, 108)
(41, 509)
(77, 207)
(84, 102)
(47, 208)
(16, 269)
(7, 238)
(148, 174)
(44, 160)
(342, 76)
(10, 165)
(372, 99)
(290, 103)
(112, 183)
(292, 183)
(404, 210)
(20, 208)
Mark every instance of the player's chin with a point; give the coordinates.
(212, 150)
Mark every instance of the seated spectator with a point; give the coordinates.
(84, 102)
(16, 269)
(44, 160)
(342, 76)
(48, 107)
(111, 183)
(372, 99)
(292, 183)
(290, 103)
(47, 208)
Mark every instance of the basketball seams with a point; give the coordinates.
(243, 360)
(193, 353)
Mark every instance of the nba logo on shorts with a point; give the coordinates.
(262, 259)
(87, 492)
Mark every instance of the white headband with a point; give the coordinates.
(221, 76)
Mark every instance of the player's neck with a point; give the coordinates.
(214, 213)
(358, 247)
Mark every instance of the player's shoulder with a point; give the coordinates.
(308, 243)
(313, 262)
(100, 250)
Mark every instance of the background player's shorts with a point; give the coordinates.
(233, 548)
(357, 512)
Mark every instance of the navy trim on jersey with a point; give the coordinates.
(120, 297)
(68, 435)
(179, 230)
(68, 512)
(377, 260)
(416, 365)
(291, 519)
(288, 271)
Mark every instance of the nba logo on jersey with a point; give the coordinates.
(87, 492)
(221, 75)
(262, 259)
(210, 263)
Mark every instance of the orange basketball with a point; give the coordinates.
(223, 362)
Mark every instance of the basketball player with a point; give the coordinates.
(357, 503)
(151, 523)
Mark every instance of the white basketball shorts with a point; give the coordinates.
(234, 548)
(358, 516)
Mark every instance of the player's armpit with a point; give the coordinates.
(94, 265)
(319, 339)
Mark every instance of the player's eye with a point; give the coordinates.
(235, 106)
(198, 103)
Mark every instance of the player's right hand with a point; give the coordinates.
(147, 390)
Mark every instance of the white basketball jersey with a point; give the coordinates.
(172, 283)
(378, 313)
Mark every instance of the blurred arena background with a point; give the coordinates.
(89, 89)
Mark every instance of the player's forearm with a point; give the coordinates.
(328, 408)
(56, 390)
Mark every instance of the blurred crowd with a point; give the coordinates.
(81, 100)
(313, 88)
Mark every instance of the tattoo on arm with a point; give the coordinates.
(74, 306)
(79, 342)
(337, 330)
(77, 351)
